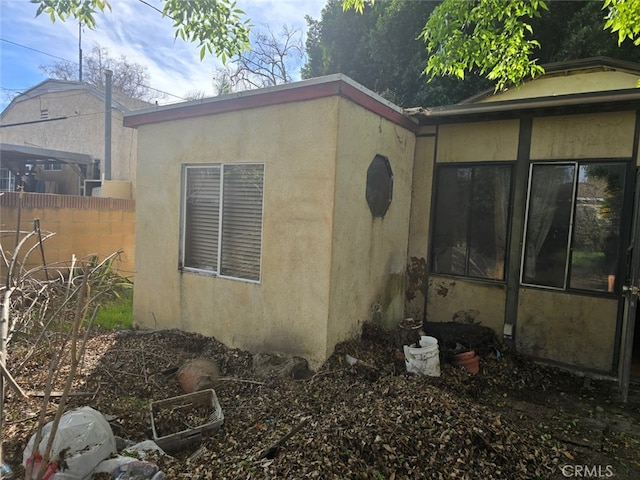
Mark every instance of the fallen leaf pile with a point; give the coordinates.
(514, 420)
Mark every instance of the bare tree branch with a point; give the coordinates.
(269, 62)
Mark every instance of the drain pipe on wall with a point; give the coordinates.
(107, 125)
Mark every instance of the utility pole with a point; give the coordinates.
(80, 51)
(107, 125)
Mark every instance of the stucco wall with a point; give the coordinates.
(82, 131)
(466, 301)
(572, 329)
(288, 309)
(472, 142)
(83, 226)
(368, 255)
(568, 328)
(418, 248)
(456, 143)
(606, 135)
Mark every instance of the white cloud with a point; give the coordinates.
(131, 29)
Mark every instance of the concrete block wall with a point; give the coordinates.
(83, 226)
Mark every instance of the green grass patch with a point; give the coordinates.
(587, 259)
(117, 312)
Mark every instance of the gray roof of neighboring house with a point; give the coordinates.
(118, 101)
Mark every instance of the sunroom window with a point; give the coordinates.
(471, 220)
(222, 220)
(572, 237)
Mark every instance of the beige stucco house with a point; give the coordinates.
(303, 261)
(66, 116)
(281, 219)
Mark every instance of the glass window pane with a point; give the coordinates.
(596, 237)
(548, 223)
(488, 222)
(471, 221)
(449, 251)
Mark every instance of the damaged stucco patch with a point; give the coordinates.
(466, 302)
(416, 275)
(387, 309)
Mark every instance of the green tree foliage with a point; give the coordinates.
(498, 38)
(380, 49)
(492, 36)
(572, 30)
(623, 18)
(214, 25)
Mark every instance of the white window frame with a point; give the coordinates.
(9, 178)
(52, 167)
(220, 253)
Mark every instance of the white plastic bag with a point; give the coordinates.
(84, 439)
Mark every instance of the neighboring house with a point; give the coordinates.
(66, 116)
(281, 219)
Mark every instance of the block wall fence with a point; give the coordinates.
(83, 226)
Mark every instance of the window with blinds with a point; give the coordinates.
(222, 212)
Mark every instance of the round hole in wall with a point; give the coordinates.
(379, 185)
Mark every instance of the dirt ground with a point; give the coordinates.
(513, 420)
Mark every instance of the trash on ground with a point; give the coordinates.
(83, 440)
(182, 421)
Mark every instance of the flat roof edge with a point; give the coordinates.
(305, 90)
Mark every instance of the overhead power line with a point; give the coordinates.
(36, 50)
(76, 63)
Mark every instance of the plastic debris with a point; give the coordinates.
(138, 470)
(6, 472)
(83, 440)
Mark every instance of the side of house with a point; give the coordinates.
(281, 219)
(523, 209)
(253, 220)
(70, 116)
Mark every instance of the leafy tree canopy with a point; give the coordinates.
(215, 25)
(495, 38)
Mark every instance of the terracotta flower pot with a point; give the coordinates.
(470, 364)
(458, 357)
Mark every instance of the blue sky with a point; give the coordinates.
(131, 29)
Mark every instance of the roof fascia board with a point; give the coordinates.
(322, 87)
(622, 98)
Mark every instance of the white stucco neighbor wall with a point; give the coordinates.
(75, 123)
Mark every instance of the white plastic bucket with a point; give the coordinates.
(423, 359)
